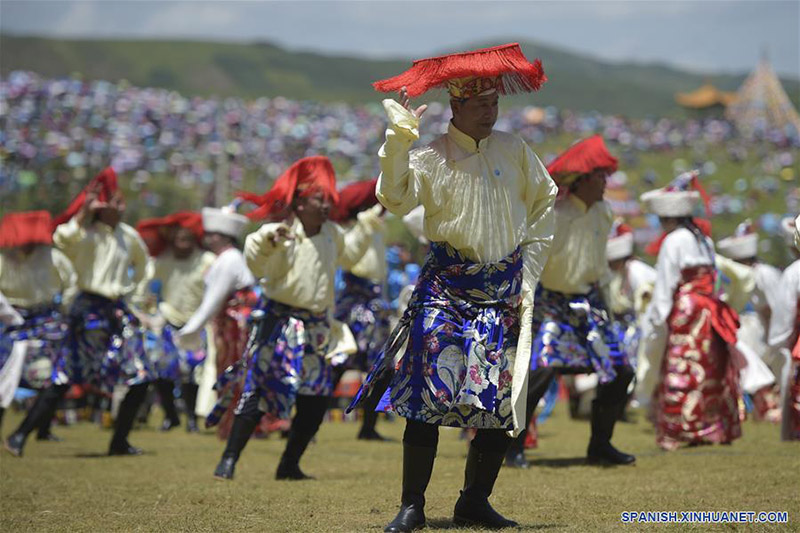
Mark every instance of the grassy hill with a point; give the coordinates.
(262, 69)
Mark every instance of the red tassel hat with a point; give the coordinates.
(581, 158)
(504, 69)
(156, 231)
(29, 227)
(353, 199)
(304, 178)
(108, 188)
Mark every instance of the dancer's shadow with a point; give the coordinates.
(447, 523)
(104, 455)
(560, 462)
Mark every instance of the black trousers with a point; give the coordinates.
(310, 411)
(425, 435)
(609, 394)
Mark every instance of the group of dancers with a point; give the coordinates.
(528, 277)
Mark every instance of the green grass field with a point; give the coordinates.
(71, 486)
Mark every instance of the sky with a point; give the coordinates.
(709, 36)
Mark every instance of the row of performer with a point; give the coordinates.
(527, 277)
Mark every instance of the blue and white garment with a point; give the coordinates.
(362, 306)
(285, 357)
(46, 325)
(574, 332)
(171, 362)
(107, 344)
(450, 359)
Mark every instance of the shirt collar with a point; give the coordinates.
(464, 141)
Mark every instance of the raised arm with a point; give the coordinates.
(398, 183)
(355, 242)
(269, 251)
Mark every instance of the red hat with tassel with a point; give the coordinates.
(581, 158)
(353, 199)
(503, 69)
(304, 178)
(156, 231)
(106, 181)
(29, 227)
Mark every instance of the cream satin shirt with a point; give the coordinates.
(373, 265)
(36, 279)
(300, 272)
(103, 256)
(483, 198)
(182, 284)
(578, 255)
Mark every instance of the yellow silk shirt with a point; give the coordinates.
(578, 254)
(300, 272)
(102, 256)
(35, 279)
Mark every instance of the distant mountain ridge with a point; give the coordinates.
(575, 81)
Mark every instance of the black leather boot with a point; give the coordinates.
(44, 432)
(243, 426)
(368, 431)
(417, 469)
(310, 412)
(600, 450)
(42, 408)
(515, 456)
(473, 508)
(125, 418)
(189, 393)
(166, 392)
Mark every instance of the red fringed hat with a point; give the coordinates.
(31, 227)
(155, 231)
(108, 186)
(353, 199)
(502, 68)
(581, 158)
(304, 178)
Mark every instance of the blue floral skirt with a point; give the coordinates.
(450, 359)
(173, 363)
(107, 344)
(47, 359)
(285, 356)
(361, 306)
(573, 332)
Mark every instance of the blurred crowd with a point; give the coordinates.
(53, 131)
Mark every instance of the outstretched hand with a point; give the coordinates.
(405, 101)
(281, 234)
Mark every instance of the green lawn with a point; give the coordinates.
(70, 486)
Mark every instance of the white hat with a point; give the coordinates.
(620, 241)
(224, 221)
(619, 247)
(743, 244)
(674, 200)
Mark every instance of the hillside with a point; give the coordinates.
(262, 69)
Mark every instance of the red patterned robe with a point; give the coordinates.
(698, 399)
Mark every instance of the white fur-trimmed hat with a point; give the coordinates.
(674, 200)
(619, 247)
(224, 221)
(620, 241)
(743, 244)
